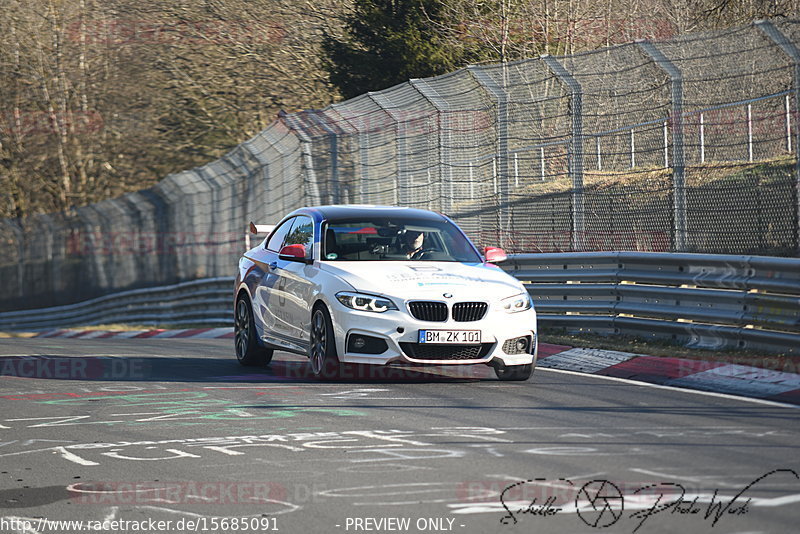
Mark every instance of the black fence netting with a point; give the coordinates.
(688, 144)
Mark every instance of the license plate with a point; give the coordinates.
(445, 337)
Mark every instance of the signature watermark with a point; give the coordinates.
(601, 503)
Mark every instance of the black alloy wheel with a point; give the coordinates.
(248, 351)
(322, 351)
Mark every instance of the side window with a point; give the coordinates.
(302, 233)
(279, 235)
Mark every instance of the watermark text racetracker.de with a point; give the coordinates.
(86, 243)
(120, 31)
(33, 122)
(75, 367)
(150, 526)
(203, 493)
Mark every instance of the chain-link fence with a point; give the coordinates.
(686, 145)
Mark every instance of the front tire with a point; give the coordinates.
(514, 373)
(322, 355)
(248, 351)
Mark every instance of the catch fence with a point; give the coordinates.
(681, 145)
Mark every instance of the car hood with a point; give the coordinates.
(414, 279)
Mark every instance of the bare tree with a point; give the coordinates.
(106, 97)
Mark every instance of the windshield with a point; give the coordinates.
(396, 239)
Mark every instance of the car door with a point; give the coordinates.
(295, 287)
(265, 297)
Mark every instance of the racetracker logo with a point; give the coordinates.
(400, 122)
(179, 492)
(292, 370)
(30, 123)
(583, 32)
(74, 368)
(133, 242)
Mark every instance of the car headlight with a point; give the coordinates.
(362, 302)
(517, 303)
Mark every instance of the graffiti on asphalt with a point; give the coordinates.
(176, 407)
(369, 445)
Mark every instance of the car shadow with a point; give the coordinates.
(283, 368)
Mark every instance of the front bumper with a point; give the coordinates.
(400, 330)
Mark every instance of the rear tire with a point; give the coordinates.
(322, 355)
(514, 373)
(248, 351)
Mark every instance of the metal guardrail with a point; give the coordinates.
(710, 301)
(705, 301)
(206, 301)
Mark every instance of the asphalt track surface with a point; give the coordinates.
(137, 432)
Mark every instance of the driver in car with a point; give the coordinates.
(412, 244)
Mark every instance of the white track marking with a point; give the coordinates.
(677, 389)
(74, 457)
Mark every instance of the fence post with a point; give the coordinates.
(19, 238)
(494, 175)
(471, 182)
(401, 149)
(576, 149)
(750, 132)
(333, 140)
(430, 188)
(499, 94)
(361, 133)
(788, 125)
(599, 155)
(678, 160)
(442, 107)
(792, 51)
(544, 169)
(356, 126)
(313, 195)
(702, 137)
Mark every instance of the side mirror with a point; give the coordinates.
(494, 254)
(293, 253)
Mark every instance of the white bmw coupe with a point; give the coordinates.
(380, 285)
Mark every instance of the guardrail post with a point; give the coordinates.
(789, 48)
(678, 156)
(500, 96)
(575, 150)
